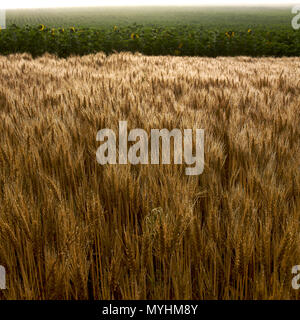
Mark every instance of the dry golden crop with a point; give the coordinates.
(73, 229)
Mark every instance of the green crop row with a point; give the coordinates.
(182, 41)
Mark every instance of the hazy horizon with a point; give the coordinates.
(31, 4)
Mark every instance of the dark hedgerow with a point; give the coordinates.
(182, 41)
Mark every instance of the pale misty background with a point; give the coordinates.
(77, 3)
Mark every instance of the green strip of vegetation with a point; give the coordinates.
(181, 41)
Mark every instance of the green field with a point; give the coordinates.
(210, 17)
(189, 31)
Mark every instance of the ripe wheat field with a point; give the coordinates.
(73, 229)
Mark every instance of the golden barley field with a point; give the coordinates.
(73, 229)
